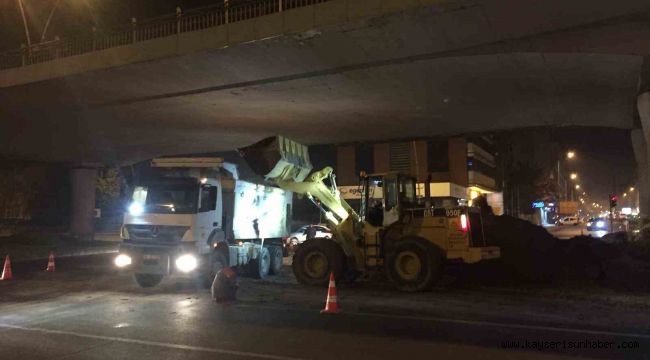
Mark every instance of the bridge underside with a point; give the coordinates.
(398, 76)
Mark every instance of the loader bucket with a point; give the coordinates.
(278, 159)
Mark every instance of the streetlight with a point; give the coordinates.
(631, 188)
(27, 36)
(624, 194)
(577, 187)
(569, 155)
(574, 176)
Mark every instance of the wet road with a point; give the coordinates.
(88, 311)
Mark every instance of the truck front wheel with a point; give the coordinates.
(413, 265)
(217, 261)
(315, 259)
(148, 280)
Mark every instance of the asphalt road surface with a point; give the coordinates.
(87, 310)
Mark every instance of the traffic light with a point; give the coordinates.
(612, 201)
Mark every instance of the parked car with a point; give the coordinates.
(568, 220)
(299, 236)
(595, 224)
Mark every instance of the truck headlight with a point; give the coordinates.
(136, 209)
(122, 260)
(187, 263)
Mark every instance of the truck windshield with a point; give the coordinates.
(166, 199)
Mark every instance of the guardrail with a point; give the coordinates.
(193, 20)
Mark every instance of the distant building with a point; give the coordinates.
(460, 168)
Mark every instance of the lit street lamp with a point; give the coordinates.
(574, 176)
(577, 187)
(632, 189)
(569, 155)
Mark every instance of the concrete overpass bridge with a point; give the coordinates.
(329, 71)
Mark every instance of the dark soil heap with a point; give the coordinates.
(529, 253)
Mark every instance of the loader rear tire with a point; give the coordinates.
(315, 259)
(413, 265)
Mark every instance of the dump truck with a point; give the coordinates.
(190, 217)
(394, 234)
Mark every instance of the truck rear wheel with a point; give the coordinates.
(259, 268)
(414, 265)
(315, 259)
(276, 260)
(148, 280)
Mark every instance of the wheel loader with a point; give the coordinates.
(393, 234)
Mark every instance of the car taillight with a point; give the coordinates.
(463, 222)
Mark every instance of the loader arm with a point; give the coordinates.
(286, 164)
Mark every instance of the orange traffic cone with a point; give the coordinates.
(332, 304)
(50, 263)
(6, 271)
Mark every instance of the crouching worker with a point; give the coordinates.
(224, 286)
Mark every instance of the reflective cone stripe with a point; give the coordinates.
(50, 263)
(6, 271)
(332, 304)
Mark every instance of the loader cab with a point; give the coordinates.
(384, 196)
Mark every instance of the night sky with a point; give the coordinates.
(603, 157)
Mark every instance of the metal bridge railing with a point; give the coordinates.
(193, 20)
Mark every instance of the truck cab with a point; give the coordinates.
(193, 218)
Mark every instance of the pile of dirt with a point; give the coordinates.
(529, 253)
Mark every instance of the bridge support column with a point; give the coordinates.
(82, 209)
(640, 141)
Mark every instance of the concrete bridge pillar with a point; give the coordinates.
(643, 182)
(82, 209)
(640, 141)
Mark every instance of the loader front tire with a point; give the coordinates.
(315, 259)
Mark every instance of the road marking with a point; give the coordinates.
(152, 343)
(477, 323)
(506, 325)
